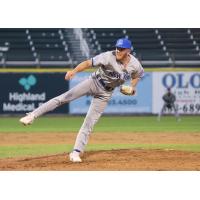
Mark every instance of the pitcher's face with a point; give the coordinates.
(121, 53)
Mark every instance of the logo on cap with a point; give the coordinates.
(120, 42)
(123, 43)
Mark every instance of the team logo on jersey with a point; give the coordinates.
(114, 75)
(28, 82)
(125, 76)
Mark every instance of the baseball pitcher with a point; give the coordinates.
(114, 68)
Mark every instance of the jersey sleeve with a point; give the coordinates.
(99, 60)
(138, 72)
(174, 98)
(164, 97)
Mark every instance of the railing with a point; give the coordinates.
(170, 63)
(146, 63)
(83, 44)
(37, 64)
(155, 63)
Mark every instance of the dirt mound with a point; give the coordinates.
(133, 160)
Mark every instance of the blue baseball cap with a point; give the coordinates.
(123, 43)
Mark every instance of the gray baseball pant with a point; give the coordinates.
(172, 108)
(90, 86)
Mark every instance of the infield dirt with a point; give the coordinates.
(126, 159)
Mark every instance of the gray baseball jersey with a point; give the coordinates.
(113, 72)
(100, 85)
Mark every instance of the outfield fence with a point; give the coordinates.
(22, 92)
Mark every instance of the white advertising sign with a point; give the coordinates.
(185, 86)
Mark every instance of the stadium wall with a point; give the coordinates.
(23, 92)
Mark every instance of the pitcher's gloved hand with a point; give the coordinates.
(127, 90)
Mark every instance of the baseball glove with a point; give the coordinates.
(127, 90)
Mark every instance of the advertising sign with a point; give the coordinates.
(23, 92)
(119, 103)
(185, 86)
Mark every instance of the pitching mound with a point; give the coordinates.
(109, 160)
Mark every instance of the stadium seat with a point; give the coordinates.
(162, 46)
(33, 44)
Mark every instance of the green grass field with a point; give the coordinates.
(105, 124)
(70, 124)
